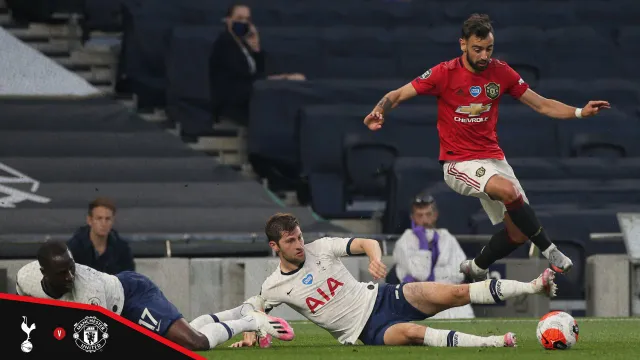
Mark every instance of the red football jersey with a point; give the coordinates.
(468, 106)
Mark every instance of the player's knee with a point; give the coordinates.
(502, 189)
(415, 334)
(459, 295)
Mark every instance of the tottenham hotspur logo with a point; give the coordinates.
(90, 334)
(26, 345)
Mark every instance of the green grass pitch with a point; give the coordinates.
(599, 338)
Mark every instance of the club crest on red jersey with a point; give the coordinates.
(492, 90)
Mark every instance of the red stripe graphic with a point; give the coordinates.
(105, 312)
(469, 178)
(463, 177)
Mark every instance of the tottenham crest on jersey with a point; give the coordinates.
(492, 90)
(90, 334)
(426, 74)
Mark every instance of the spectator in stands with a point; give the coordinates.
(426, 253)
(97, 245)
(236, 61)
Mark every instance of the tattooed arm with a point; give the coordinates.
(392, 99)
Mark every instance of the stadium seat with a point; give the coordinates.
(628, 39)
(294, 49)
(273, 134)
(599, 13)
(612, 126)
(522, 132)
(324, 127)
(455, 210)
(188, 93)
(420, 48)
(367, 163)
(115, 169)
(569, 224)
(567, 44)
(600, 168)
(409, 176)
(101, 15)
(91, 144)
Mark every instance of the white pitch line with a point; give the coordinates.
(303, 322)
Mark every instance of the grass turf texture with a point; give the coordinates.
(599, 338)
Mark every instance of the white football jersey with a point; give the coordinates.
(89, 287)
(324, 291)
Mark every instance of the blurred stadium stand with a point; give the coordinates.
(305, 140)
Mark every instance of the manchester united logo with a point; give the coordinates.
(480, 172)
(492, 90)
(90, 334)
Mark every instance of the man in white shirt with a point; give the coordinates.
(312, 280)
(55, 275)
(425, 253)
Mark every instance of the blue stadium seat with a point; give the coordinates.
(566, 223)
(544, 14)
(273, 134)
(455, 209)
(522, 132)
(614, 127)
(101, 15)
(587, 193)
(601, 168)
(628, 39)
(571, 59)
(367, 162)
(420, 48)
(537, 168)
(323, 128)
(409, 176)
(188, 95)
(602, 13)
(294, 49)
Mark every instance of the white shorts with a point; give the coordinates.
(470, 177)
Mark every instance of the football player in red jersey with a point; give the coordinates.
(468, 89)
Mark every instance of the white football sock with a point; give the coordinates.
(548, 251)
(494, 291)
(450, 338)
(217, 333)
(226, 315)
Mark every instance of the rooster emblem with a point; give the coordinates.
(26, 345)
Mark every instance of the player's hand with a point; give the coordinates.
(377, 269)
(594, 107)
(374, 120)
(248, 340)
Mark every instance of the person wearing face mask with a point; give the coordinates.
(236, 61)
(426, 253)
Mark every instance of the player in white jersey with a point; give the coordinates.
(312, 280)
(55, 275)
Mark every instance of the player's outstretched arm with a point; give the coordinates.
(371, 248)
(392, 99)
(558, 110)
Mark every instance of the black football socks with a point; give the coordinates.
(500, 246)
(525, 219)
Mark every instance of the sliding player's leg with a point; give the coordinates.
(226, 315)
(431, 297)
(146, 305)
(255, 321)
(414, 334)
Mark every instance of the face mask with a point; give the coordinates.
(240, 28)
